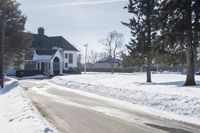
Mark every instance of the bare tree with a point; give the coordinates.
(93, 56)
(102, 55)
(113, 44)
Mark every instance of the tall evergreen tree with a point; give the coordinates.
(179, 25)
(141, 26)
(17, 43)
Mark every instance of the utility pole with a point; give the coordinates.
(85, 58)
(2, 41)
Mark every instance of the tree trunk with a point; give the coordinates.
(112, 67)
(148, 70)
(190, 52)
(2, 43)
(148, 43)
(190, 78)
(111, 64)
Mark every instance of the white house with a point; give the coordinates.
(53, 55)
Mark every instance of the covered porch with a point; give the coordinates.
(49, 64)
(52, 67)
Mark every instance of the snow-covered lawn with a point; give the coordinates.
(165, 97)
(17, 114)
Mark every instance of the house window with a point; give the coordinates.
(70, 58)
(66, 65)
(38, 66)
(66, 55)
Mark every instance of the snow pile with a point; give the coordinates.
(35, 77)
(166, 94)
(17, 114)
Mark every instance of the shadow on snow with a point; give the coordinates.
(9, 87)
(175, 83)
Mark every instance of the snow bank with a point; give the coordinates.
(35, 77)
(17, 114)
(166, 95)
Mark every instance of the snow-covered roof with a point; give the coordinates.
(108, 60)
(42, 57)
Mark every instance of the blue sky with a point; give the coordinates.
(79, 21)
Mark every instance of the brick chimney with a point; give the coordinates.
(41, 31)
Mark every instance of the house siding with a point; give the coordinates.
(70, 65)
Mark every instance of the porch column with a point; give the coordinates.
(36, 65)
(47, 67)
(61, 67)
(51, 68)
(40, 66)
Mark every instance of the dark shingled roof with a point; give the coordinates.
(45, 52)
(62, 43)
(43, 42)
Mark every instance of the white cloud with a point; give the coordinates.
(81, 3)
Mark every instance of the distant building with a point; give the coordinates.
(89, 65)
(52, 55)
(105, 63)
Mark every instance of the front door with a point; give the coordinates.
(56, 66)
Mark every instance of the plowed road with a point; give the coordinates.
(73, 112)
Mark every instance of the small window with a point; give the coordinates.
(38, 66)
(71, 58)
(66, 65)
(66, 55)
